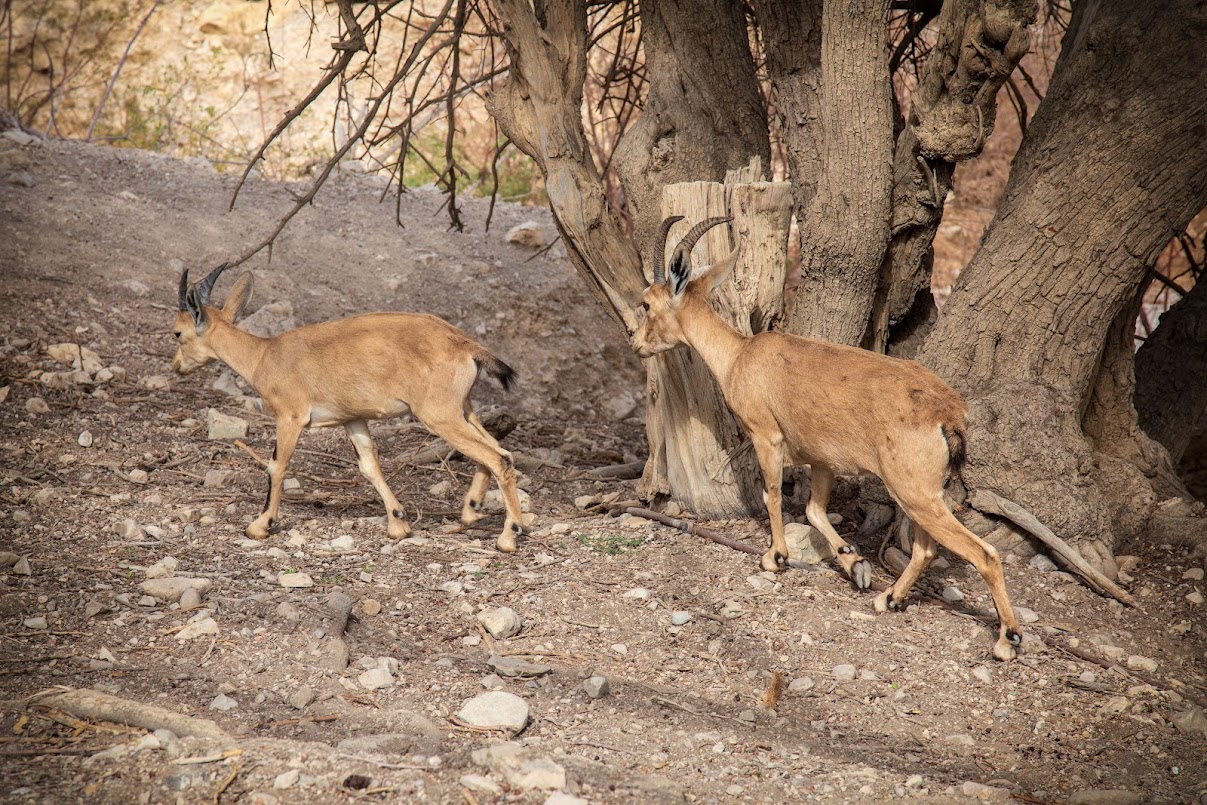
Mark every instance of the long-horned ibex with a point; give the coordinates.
(841, 410)
(347, 372)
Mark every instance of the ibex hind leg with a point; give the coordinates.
(821, 482)
(471, 508)
(923, 553)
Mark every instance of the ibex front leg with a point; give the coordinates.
(770, 453)
(358, 432)
(288, 430)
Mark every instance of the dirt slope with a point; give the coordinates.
(112, 480)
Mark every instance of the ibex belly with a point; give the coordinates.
(324, 416)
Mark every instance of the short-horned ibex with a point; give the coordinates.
(841, 410)
(347, 372)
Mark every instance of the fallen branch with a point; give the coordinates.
(991, 503)
(688, 527)
(97, 706)
(618, 472)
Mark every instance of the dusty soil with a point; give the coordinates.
(92, 240)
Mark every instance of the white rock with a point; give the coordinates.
(529, 234)
(128, 529)
(1140, 663)
(914, 781)
(806, 544)
(480, 784)
(203, 627)
(843, 673)
(190, 599)
(986, 793)
(344, 542)
(620, 648)
(84, 439)
(221, 426)
(21, 567)
(1191, 722)
(493, 502)
(983, 674)
(597, 687)
(680, 617)
(36, 405)
(286, 779)
(495, 710)
(562, 798)
(375, 678)
(639, 593)
(800, 684)
(37, 623)
(295, 580)
(1042, 563)
(1193, 574)
(222, 702)
(500, 622)
(1195, 598)
(953, 594)
(1026, 615)
(171, 589)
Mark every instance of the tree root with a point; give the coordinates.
(96, 706)
(991, 503)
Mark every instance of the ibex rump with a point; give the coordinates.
(350, 371)
(841, 410)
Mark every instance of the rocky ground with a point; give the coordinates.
(620, 660)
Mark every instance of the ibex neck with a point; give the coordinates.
(711, 336)
(238, 349)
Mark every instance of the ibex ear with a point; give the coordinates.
(716, 275)
(679, 270)
(192, 303)
(238, 298)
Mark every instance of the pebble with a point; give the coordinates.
(1191, 722)
(638, 593)
(128, 529)
(344, 542)
(84, 439)
(984, 792)
(205, 626)
(495, 710)
(452, 587)
(500, 622)
(914, 781)
(138, 477)
(597, 687)
(760, 582)
(294, 580)
(800, 684)
(222, 427)
(961, 739)
(1195, 598)
(287, 779)
(843, 673)
(21, 567)
(215, 479)
(222, 702)
(493, 682)
(562, 798)
(375, 678)
(38, 623)
(1042, 563)
(480, 784)
(982, 673)
(36, 405)
(516, 667)
(806, 544)
(680, 617)
(620, 648)
(1026, 615)
(301, 698)
(1193, 574)
(370, 606)
(953, 594)
(1139, 663)
(172, 590)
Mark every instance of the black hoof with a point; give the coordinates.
(397, 514)
(781, 561)
(896, 606)
(846, 549)
(517, 528)
(1014, 637)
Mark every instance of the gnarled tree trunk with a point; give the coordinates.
(1112, 163)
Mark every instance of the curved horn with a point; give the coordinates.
(695, 233)
(184, 289)
(206, 285)
(660, 248)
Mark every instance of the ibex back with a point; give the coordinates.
(842, 411)
(350, 371)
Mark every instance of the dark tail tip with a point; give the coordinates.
(499, 371)
(957, 450)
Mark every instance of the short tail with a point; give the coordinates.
(957, 450)
(496, 369)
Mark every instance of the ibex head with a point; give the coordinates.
(663, 301)
(195, 321)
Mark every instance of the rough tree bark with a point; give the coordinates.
(1112, 164)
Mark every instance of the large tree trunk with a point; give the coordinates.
(1112, 163)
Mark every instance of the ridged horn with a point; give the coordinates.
(693, 236)
(660, 248)
(206, 285)
(184, 289)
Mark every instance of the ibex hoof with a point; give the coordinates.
(773, 561)
(398, 529)
(861, 574)
(884, 601)
(506, 542)
(1003, 650)
(257, 530)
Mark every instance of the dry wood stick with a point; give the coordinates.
(987, 501)
(99, 706)
(688, 527)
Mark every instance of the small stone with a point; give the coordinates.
(370, 606)
(344, 542)
(1192, 722)
(1139, 663)
(286, 779)
(480, 784)
(562, 798)
(190, 599)
(637, 593)
(597, 687)
(800, 684)
(291, 485)
(301, 698)
(734, 790)
(529, 234)
(1042, 563)
(843, 673)
(1026, 615)
(295, 580)
(84, 439)
(222, 427)
(452, 587)
(914, 781)
(495, 710)
(21, 567)
(215, 479)
(157, 383)
(984, 792)
(806, 544)
(222, 703)
(37, 623)
(961, 739)
(953, 594)
(162, 569)
(680, 617)
(172, 589)
(1193, 574)
(375, 678)
(983, 674)
(500, 622)
(129, 529)
(440, 489)
(138, 477)
(1195, 598)
(204, 627)
(620, 648)
(516, 667)
(36, 405)
(493, 682)
(760, 582)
